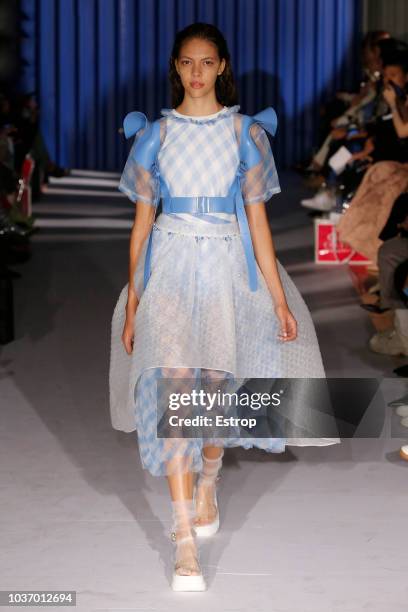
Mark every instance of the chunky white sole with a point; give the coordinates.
(206, 531)
(188, 583)
(404, 422)
(402, 411)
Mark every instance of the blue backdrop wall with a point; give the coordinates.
(92, 61)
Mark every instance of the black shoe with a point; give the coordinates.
(9, 229)
(7, 273)
(402, 371)
(58, 171)
(401, 401)
(374, 308)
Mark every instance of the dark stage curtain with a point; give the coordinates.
(92, 61)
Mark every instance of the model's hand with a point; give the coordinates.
(287, 322)
(131, 307)
(128, 329)
(128, 334)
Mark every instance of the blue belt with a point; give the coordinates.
(199, 204)
(145, 154)
(207, 204)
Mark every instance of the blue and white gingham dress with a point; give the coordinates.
(197, 312)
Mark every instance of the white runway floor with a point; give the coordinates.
(311, 530)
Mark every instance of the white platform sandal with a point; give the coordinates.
(187, 575)
(208, 477)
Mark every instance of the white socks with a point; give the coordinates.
(205, 506)
(184, 512)
(209, 473)
(186, 553)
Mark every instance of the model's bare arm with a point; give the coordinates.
(266, 257)
(142, 225)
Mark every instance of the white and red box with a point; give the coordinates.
(329, 249)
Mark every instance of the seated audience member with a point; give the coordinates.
(394, 341)
(384, 181)
(359, 105)
(392, 252)
(393, 277)
(376, 140)
(31, 141)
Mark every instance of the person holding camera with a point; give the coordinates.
(387, 177)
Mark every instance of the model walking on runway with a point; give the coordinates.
(206, 295)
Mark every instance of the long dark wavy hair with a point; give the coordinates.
(225, 88)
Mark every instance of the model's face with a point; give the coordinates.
(396, 75)
(198, 66)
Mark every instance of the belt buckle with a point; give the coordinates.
(202, 204)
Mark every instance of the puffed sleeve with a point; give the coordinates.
(137, 182)
(261, 181)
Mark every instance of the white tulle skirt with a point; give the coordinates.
(198, 314)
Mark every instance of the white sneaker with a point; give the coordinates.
(386, 342)
(324, 200)
(402, 411)
(404, 422)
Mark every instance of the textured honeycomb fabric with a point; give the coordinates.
(137, 182)
(198, 312)
(201, 157)
(261, 181)
(198, 316)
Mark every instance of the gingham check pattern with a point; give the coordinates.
(198, 311)
(199, 158)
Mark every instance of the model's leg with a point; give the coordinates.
(206, 510)
(180, 479)
(183, 512)
(180, 485)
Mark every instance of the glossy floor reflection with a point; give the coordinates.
(313, 529)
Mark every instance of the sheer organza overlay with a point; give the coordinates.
(137, 182)
(261, 181)
(198, 318)
(194, 317)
